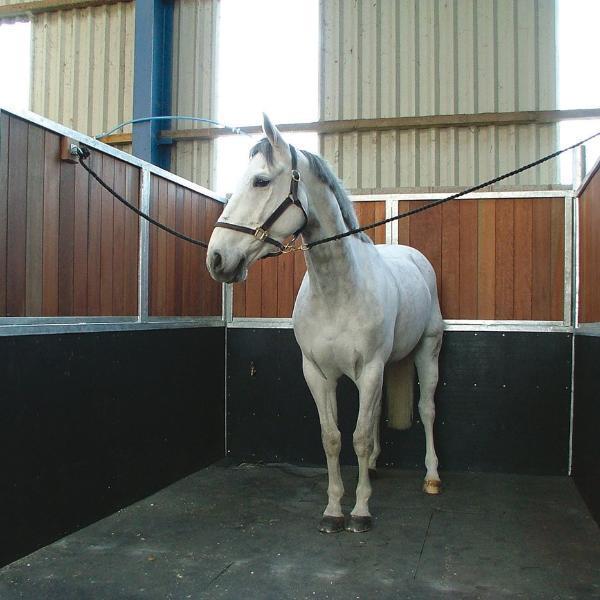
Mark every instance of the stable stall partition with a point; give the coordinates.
(586, 406)
(504, 269)
(112, 338)
(497, 257)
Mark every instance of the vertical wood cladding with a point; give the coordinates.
(494, 259)
(589, 251)
(67, 248)
(272, 284)
(180, 284)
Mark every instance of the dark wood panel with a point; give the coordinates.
(80, 243)
(51, 216)
(35, 221)
(505, 253)
(66, 231)
(589, 252)
(523, 214)
(16, 219)
(254, 290)
(94, 240)
(486, 259)
(107, 238)
(180, 284)
(171, 242)
(557, 259)
(119, 258)
(468, 259)
(449, 284)
(482, 252)
(216, 301)
(4, 135)
(201, 275)
(184, 197)
(131, 248)
(541, 290)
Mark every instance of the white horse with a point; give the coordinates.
(360, 307)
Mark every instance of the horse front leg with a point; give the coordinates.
(370, 385)
(323, 391)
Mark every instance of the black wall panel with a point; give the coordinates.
(92, 422)
(503, 404)
(586, 421)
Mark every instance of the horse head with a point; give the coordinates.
(268, 206)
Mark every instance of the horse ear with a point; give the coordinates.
(272, 133)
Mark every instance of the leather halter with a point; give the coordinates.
(262, 233)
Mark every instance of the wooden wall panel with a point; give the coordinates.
(66, 249)
(179, 283)
(494, 259)
(16, 219)
(4, 135)
(589, 251)
(273, 283)
(510, 257)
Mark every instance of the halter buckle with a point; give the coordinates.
(260, 234)
(295, 175)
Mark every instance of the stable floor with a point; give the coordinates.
(251, 532)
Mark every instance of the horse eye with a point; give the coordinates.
(261, 182)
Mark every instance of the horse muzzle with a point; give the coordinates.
(226, 266)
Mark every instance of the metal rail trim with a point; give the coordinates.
(106, 149)
(449, 325)
(99, 326)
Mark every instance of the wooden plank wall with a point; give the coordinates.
(272, 284)
(589, 251)
(494, 259)
(180, 284)
(67, 248)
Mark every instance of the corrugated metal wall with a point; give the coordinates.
(386, 58)
(194, 72)
(379, 58)
(82, 66)
(82, 72)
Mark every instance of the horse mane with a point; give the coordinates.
(323, 172)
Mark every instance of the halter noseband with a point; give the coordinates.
(262, 233)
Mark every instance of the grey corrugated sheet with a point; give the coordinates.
(82, 72)
(194, 71)
(82, 66)
(387, 58)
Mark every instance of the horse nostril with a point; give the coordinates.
(217, 261)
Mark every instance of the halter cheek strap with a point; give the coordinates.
(262, 233)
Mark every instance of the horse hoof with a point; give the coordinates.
(359, 524)
(331, 524)
(432, 486)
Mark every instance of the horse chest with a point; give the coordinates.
(340, 341)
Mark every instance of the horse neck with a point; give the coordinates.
(333, 267)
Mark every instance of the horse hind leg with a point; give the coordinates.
(376, 444)
(426, 361)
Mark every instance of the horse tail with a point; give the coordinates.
(398, 389)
